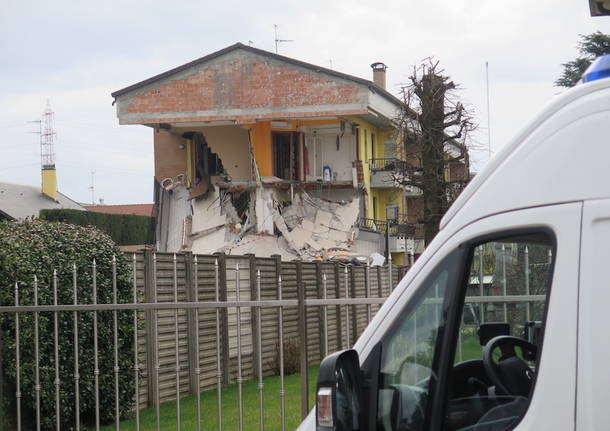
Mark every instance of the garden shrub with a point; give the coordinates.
(36, 247)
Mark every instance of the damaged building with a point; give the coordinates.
(260, 153)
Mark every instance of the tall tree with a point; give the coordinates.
(590, 46)
(434, 130)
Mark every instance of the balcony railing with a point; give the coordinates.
(385, 165)
(400, 229)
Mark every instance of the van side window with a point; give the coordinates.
(500, 333)
(498, 336)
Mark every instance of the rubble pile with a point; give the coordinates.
(318, 229)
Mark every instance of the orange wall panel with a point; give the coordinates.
(263, 151)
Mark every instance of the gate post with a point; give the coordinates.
(254, 313)
(149, 294)
(302, 312)
(321, 319)
(192, 343)
(224, 313)
(338, 308)
(352, 279)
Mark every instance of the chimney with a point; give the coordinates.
(379, 74)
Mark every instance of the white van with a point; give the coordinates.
(504, 321)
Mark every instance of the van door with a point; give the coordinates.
(484, 337)
(593, 389)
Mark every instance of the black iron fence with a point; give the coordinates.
(198, 323)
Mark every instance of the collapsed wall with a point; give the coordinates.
(263, 221)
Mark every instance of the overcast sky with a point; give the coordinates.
(76, 53)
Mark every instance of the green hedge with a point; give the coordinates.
(124, 229)
(36, 248)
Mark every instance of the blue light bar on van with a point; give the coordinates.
(599, 69)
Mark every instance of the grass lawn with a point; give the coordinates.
(471, 349)
(230, 408)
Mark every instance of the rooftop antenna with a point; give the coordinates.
(250, 43)
(331, 63)
(279, 40)
(92, 188)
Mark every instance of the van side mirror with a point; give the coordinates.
(339, 393)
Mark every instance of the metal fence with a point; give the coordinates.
(198, 323)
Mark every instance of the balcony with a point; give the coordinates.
(397, 229)
(398, 233)
(382, 175)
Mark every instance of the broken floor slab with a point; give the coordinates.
(297, 226)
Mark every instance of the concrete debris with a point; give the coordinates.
(263, 209)
(327, 243)
(270, 179)
(308, 225)
(313, 244)
(323, 218)
(313, 227)
(263, 246)
(337, 235)
(309, 228)
(299, 237)
(377, 259)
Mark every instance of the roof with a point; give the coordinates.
(134, 209)
(370, 84)
(18, 201)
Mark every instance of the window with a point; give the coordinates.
(497, 333)
(286, 155)
(407, 353)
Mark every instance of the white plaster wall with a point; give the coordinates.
(175, 208)
(231, 145)
(207, 212)
(322, 151)
(264, 211)
(210, 243)
(367, 243)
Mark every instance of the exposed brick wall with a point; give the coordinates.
(458, 171)
(245, 82)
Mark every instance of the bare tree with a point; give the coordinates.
(434, 131)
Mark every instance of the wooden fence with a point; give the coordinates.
(203, 277)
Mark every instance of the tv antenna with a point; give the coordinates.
(92, 188)
(279, 40)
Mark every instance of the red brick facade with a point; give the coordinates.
(237, 84)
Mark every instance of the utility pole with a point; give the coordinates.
(47, 147)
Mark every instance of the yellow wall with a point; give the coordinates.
(398, 258)
(387, 197)
(365, 150)
(260, 134)
(49, 183)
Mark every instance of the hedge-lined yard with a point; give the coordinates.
(124, 229)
